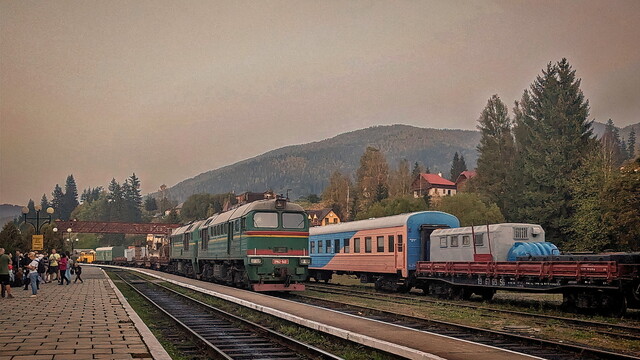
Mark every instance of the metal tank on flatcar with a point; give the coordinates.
(495, 242)
(383, 250)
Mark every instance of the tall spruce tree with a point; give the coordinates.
(57, 202)
(496, 152)
(458, 165)
(631, 143)
(44, 202)
(417, 170)
(70, 197)
(552, 136)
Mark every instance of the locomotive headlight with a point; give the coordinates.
(305, 261)
(255, 261)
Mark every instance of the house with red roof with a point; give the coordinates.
(432, 184)
(462, 179)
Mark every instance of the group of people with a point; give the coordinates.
(34, 268)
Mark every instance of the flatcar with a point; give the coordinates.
(383, 251)
(261, 245)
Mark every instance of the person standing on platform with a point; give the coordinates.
(53, 265)
(62, 267)
(33, 274)
(5, 279)
(69, 265)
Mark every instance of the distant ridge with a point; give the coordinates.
(306, 168)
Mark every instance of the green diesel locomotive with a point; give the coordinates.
(261, 246)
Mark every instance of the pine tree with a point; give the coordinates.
(44, 202)
(453, 175)
(417, 170)
(150, 203)
(631, 144)
(57, 201)
(458, 165)
(133, 199)
(552, 136)
(70, 198)
(496, 152)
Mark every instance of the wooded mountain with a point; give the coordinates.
(306, 168)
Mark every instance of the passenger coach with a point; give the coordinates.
(383, 251)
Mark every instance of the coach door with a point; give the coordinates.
(425, 240)
(399, 253)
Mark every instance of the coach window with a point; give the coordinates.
(454, 241)
(391, 244)
(466, 240)
(346, 247)
(479, 240)
(328, 245)
(400, 248)
(336, 246)
(356, 245)
(312, 247)
(380, 244)
(367, 244)
(443, 241)
(265, 220)
(320, 247)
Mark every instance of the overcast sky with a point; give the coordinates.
(171, 89)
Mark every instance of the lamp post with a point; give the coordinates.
(37, 240)
(69, 239)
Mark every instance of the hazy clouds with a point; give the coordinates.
(170, 89)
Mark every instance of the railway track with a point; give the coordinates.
(613, 330)
(221, 334)
(519, 343)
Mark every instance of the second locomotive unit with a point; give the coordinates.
(261, 245)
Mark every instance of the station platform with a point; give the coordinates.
(89, 320)
(399, 340)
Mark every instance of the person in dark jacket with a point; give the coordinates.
(78, 270)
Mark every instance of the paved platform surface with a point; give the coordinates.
(78, 321)
(402, 341)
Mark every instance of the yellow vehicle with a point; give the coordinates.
(87, 257)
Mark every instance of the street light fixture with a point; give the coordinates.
(37, 225)
(37, 240)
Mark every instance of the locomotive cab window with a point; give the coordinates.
(443, 241)
(237, 225)
(292, 221)
(265, 220)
